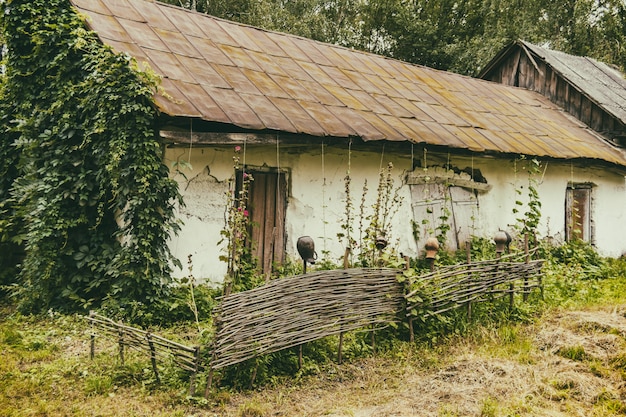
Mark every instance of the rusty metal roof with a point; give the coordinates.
(603, 84)
(225, 72)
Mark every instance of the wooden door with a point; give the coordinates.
(578, 212)
(266, 205)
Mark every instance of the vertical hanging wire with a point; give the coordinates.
(278, 193)
(349, 155)
(190, 140)
(324, 250)
(277, 169)
(243, 165)
(348, 203)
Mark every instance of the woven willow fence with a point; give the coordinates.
(461, 285)
(290, 312)
(157, 347)
(303, 308)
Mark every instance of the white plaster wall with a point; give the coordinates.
(496, 206)
(317, 198)
(315, 206)
(317, 203)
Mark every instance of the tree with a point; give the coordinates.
(455, 35)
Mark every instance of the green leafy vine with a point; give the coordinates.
(88, 191)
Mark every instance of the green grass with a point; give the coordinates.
(45, 367)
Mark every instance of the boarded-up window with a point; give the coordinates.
(439, 205)
(266, 204)
(578, 212)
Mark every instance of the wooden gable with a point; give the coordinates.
(591, 91)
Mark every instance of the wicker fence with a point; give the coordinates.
(289, 312)
(156, 347)
(303, 308)
(461, 285)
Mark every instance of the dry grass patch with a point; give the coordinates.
(570, 363)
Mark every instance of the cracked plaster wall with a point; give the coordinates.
(316, 201)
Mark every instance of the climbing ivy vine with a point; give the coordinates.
(85, 192)
(528, 221)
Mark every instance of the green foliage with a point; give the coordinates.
(373, 247)
(176, 308)
(573, 272)
(86, 192)
(528, 220)
(575, 353)
(243, 273)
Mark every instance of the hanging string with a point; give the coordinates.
(349, 155)
(348, 204)
(190, 140)
(323, 200)
(382, 156)
(277, 168)
(412, 158)
(245, 143)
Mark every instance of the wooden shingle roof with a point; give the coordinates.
(233, 74)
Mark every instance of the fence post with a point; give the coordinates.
(153, 357)
(254, 372)
(407, 290)
(217, 323)
(526, 261)
(196, 365)
(92, 344)
(468, 256)
(346, 265)
(209, 380)
(120, 342)
(502, 240)
(339, 349)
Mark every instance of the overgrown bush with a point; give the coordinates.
(85, 190)
(174, 309)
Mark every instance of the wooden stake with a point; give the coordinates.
(526, 260)
(196, 365)
(339, 350)
(468, 256)
(407, 289)
(120, 342)
(153, 358)
(254, 372)
(92, 349)
(209, 380)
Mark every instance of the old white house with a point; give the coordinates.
(314, 123)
